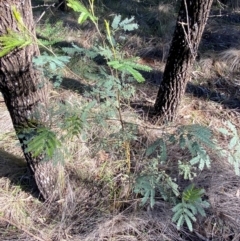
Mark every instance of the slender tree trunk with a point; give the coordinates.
(191, 22)
(24, 91)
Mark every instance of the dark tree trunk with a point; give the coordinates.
(24, 90)
(191, 22)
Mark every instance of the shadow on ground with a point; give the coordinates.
(16, 170)
(75, 85)
(224, 95)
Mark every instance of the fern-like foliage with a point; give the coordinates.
(196, 139)
(90, 53)
(52, 62)
(52, 66)
(127, 24)
(44, 142)
(50, 34)
(187, 170)
(201, 133)
(233, 152)
(12, 39)
(73, 126)
(163, 150)
(85, 13)
(191, 205)
(152, 180)
(130, 66)
(70, 119)
(145, 185)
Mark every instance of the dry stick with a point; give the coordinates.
(21, 228)
(187, 35)
(43, 13)
(44, 5)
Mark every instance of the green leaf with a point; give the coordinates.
(76, 6)
(52, 62)
(12, 40)
(179, 211)
(82, 18)
(172, 139)
(233, 142)
(200, 133)
(130, 27)
(163, 153)
(195, 160)
(236, 161)
(189, 223)
(131, 67)
(192, 207)
(189, 214)
(201, 210)
(152, 148)
(152, 198)
(43, 142)
(86, 110)
(146, 197)
(182, 141)
(205, 204)
(127, 21)
(79, 7)
(136, 74)
(180, 222)
(177, 208)
(224, 131)
(177, 215)
(191, 194)
(17, 16)
(116, 21)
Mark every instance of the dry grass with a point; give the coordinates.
(231, 57)
(98, 204)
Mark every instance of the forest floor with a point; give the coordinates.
(100, 204)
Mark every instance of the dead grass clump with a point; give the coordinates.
(230, 59)
(222, 189)
(77, 212)
(154, 225)
(13, 202)
(205, 65)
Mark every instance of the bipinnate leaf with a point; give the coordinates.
(43, 142)
(77, 6)
(12, 40)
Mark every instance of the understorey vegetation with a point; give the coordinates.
(122, 176)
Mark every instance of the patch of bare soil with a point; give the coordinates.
(5, 119)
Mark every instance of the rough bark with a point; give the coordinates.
(191, 22)
(24, 90)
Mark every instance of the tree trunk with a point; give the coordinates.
(191, 22)
(24, 91)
